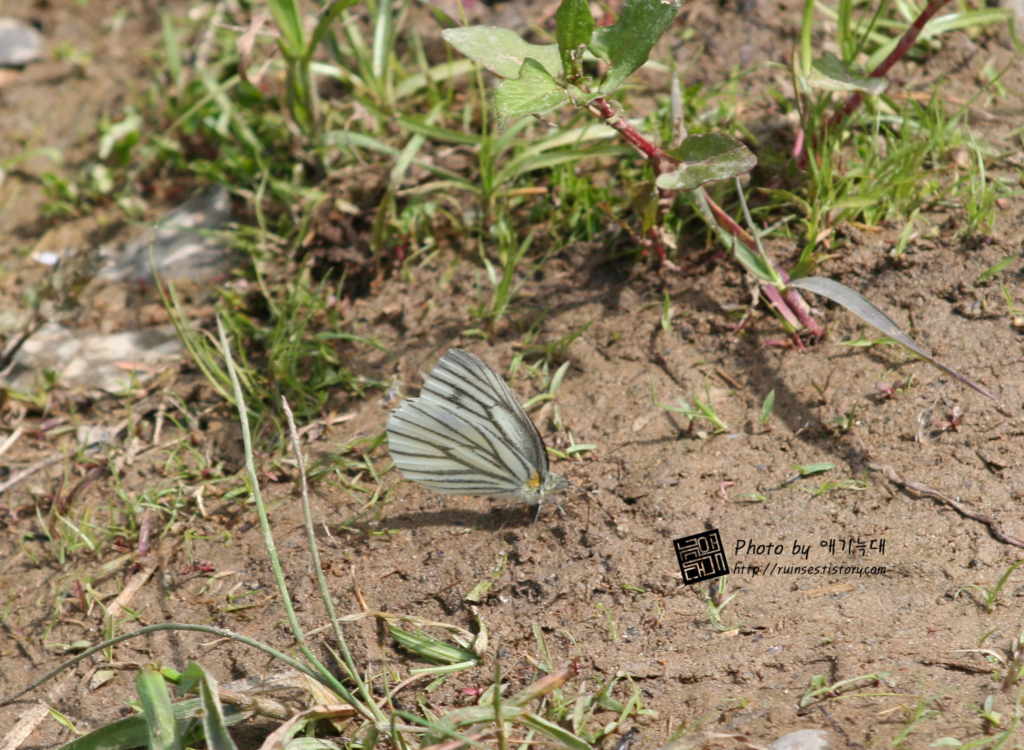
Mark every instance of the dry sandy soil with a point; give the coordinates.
(602, 582)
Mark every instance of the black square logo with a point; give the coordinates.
(701, 557)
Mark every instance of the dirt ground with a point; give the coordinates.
(602, 582)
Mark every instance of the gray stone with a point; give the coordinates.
(111, 363)
(180, 249)
(20, 44)
(805, 739)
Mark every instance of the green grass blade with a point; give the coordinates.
(289, 20)
(382, 33)
(437, 74)
(325, 21)
(996, 268)
(173, 49)
(215, 728)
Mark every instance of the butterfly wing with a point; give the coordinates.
(467, 434)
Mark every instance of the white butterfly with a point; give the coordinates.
(466, 434)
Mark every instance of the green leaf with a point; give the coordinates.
(502, 51)
(289, 20)
(753, 261)
(478, 592)
(766, 407)
(809, 469)
(62, 720)
(164, 732)
(626, 44)
(132, 731)
(829, 73)
(215, 728)
(432, 649)
(532, 93)
(562, 737)
(325, 22)
(706, 158)
(574, 28)
(999, 267)
(866, 311)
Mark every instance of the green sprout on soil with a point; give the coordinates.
(857, 485)
(916, 716)
(702, 410)
(845, 422)
(991, 593)
(809, 470)
(821, 689)
(996, 268)
(1011, 306)
(603, 612)
(717, 600)
(993, 741)
(988, 714)
(550, 352)
(766, 410)
(668, 312)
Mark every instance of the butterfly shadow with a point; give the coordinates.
(506, 516)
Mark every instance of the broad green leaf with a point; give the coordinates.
(706, 158)
(502, 51)
(626, 44)
(532, 93)
(830, 74)
(866, 311)
(131, 732)
(164, 732)
(574, 28)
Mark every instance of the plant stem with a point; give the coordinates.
(790, 305)
(909, 37)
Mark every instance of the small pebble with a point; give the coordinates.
(20, 43)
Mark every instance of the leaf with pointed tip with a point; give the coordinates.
(829, 73)
(866, 311)
(627, 43)
(532, 93)
(443, 17)
(706, 158)
(574, 28)
(502, 51)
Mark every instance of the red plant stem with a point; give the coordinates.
(909, 37)
(791, 306)
(603, 109)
